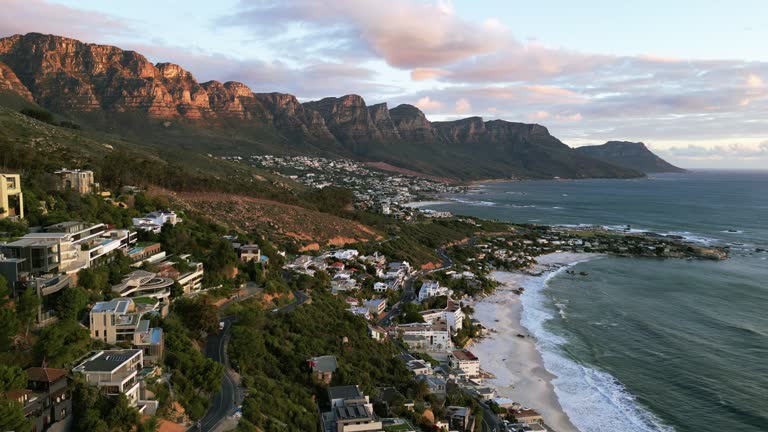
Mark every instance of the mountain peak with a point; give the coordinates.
(628, 154)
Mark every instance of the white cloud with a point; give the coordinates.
(427, 104)
(462, 106)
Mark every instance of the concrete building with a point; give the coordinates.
(452, 314)
(466, 361)
(376, 306)
(429, 337)
(80, 181)
(351, 411)
(11, 197)
(250, 252)
(116, 372)
(120, 320)
(188, 273)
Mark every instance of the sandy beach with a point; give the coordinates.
(514, 360)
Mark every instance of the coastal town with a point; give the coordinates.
(124, 281)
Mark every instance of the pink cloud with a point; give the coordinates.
(25, 16)
(427, 104)
(420, 74)
(462, 106)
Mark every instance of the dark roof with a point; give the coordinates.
(323, 364)
(45, 374)
(345, 392)
(108, 361)
(352, 411)
(388, 394)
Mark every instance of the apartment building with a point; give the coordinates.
(11, 197)
(465, 361)
(351, 411)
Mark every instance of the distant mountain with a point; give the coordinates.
(112, 90)
(631, 155)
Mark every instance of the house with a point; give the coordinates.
(250, 252)
(80, 181)
(141, 283)
(419, 367)
(154, 221)
(452, 314)
(182, 269)
(435, 384)
(346, 255)
(431, 288)
(380, 287)
(361, 311)
(376, 306)
(11, 197)
(143, 251)
(46, 400)
(377, 333)
(459, 418)
(323, 368)
(116, 372)
(48, 288)
(526, 415)
(119, 320)
(350, 411)
(465, 361)
(68, 247)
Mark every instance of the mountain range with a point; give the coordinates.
(115, 91)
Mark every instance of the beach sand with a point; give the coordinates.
(420, 204)
(517, 365)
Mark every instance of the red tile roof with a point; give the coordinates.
(45, 374)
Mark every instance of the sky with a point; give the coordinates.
(687, 77)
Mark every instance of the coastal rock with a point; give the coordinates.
(381, 118)
(412, 124)
(348, 119)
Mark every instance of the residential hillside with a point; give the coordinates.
(631, 155)
(107, 89)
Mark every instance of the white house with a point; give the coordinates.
(465, 361)
(154, 221)
(345, 255)
(431, 337)
(452, 315)
(432, 289)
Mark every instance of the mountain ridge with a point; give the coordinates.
(122, 92)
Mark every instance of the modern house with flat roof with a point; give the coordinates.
(116, 372)
(141, 283)
(119, 320)
(351, 411)
(154, 221)
(11, 197)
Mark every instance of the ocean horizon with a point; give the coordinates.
(642, 344)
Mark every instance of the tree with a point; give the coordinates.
(12, 378)
(62, 343)
(27, 307)
(12, 416)
(4, 290)
(71, 302)
(176, 290)
(9, 327)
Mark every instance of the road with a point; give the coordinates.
(229, 396)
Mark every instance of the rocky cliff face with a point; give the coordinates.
(412, 124)
(75, 79)
(348, 119)
(10, 82)
(632, 155)
(383, 121)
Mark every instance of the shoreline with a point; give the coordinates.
(420, 204)
(516, 362)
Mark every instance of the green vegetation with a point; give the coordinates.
(270, 350)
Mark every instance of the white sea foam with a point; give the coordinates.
(594, 400)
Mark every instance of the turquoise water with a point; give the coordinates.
(653, 344)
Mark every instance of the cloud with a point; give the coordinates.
(420, 74)
(25, 16)
(539, 116)
(406, 34)
(462, 106)
(733, 151)
(427, 104)
(754, 81)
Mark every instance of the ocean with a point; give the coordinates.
(642, 344)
